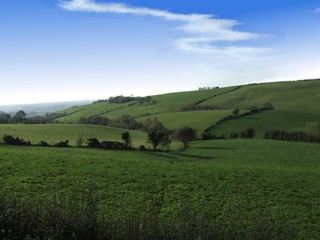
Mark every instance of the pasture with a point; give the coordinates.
(234, 180)
(268, 120)
(52, 133)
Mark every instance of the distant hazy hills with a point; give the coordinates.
(41, 108)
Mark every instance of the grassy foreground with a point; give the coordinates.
(233, 180)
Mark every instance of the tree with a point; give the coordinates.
(267, 106)
(93, 142)
(154, 124)
(19, 117)
(79, 142)
(127, 139)
(313, 128)
(185, 135)
(235, 112)
(158, 137)
(4, 117)
(248, 133)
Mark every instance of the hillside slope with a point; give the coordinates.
(296, 104)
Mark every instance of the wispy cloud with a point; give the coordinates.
(205, 32)
(317, 10)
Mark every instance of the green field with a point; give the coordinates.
(296, 104)
(53, 133)
(198, 120)
(253, 186)
(166, 103)
(234, 179)
(268, 120)
(298, 96)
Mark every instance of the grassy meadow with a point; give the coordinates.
(215, 189)
(295, 103)
(234, 180)
(165, 103)
(198, 120)
(297, 96)
(268, 120)
(53, 133)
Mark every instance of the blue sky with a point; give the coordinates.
(56, 50)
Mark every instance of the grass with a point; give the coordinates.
(296, 104)
(198, 120)
(166, 103)
(268, 120)
(235, 179)
(299, 96)
(97, 109)
(52, 133)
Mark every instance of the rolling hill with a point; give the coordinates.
(296, 103)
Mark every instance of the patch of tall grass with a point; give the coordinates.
(77, 216)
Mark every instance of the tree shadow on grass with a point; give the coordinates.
(215, 148)
(253, 118)
(179, 154)
(159, 154)
(193, 156)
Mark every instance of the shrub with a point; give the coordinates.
(62, 144)
(142, 148)
(267, 106)
(112, 145)
(127, 139)
(8, 139)
(79, 142)
(234, 135)
(248, 133)
(93, 142)
(42, 144)
(235, 112)
(290, 136)
(185, 135)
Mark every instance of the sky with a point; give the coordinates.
(63, 50)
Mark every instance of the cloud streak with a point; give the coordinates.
(204, 31)
(317, 10)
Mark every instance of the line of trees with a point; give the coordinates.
(126, 99)
(207, 133)
(157, 136)
(125, 121)
(21, 117)
(291, 136)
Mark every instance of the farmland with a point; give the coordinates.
(295, 105)
(223, 189)
(235, 179)
(53, 133)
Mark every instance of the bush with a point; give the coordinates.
(93, 143)
(43, 144)
(267, 106)
(112, 145)
(79, 142)
(248, 133)
(62, 144)
(290, 136)
(142, 148)
(8, 139)
(185, 135)
(234, 135)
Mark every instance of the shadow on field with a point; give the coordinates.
(178, 154)
(215, 148)
(158, 154)
(193, 156)
(253, 118)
